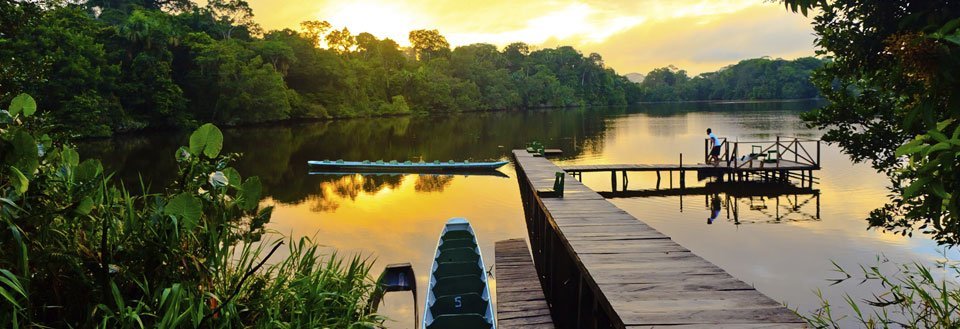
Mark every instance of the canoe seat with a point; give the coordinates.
(458, 285)
(460, 321)
(459, 304)
(456, 269)
(450, 235)
(457, 243)
(458, 255)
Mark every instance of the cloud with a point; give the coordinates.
(698, 35)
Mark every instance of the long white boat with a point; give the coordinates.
(387, 166)
(458, 294)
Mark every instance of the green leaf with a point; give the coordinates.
(943, 124)
(23, 103)
(938, 136)
(955, 38)
(20, 182)
(233, 177)
(25, 155)
(251, 193)
(910, 147)
(186, 207)
(912, 190)
(70, 156)
(85, 206)
(207, 140)
(89, 169)
(936, 148)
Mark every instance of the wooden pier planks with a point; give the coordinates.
(640, 275)
(520, 301)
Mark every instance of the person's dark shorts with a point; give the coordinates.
(716, 151)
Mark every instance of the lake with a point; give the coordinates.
(783, 246)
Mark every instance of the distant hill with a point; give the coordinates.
(757, 78)
(635, 77)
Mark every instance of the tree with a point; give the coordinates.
(314, 30)
(892, 85)
(428, 44)
(341, 41)
(232, 14)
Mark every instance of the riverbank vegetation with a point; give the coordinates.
(756, 79)
(82, 251)
(108, 66)
(894, 102)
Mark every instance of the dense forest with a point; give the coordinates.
(108, 66)
(758, 78)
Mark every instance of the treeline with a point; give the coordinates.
(108, 66)
(758, 78)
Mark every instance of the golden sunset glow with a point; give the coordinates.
(632, 36)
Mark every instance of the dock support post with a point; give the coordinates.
(626, 181)
(671, 179)
(613, 181)
(658, 179)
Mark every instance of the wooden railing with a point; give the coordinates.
(733, 153)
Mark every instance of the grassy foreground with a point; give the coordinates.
(79, 250)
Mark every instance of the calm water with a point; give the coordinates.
(783, 246)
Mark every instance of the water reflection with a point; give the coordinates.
(396, 218)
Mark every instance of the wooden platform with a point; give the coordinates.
(520, 301)
(722, 167)
(603, 268)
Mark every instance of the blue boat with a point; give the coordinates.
(458, 295)
(406, 166)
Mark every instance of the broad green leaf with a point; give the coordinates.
(23, 103)
(19, 181)
(207, 140)
(936, 148)
(25, 153)
(950, 26)
(251, 193)
(943, 124)
(937, 135)
(186, 207)
(85, 206)
(70, 156)
(89, 169)
(233, 177)
(910, 147)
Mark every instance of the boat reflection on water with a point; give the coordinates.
(765, 202)
(335, 187)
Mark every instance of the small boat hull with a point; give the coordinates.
(408, 166)
(458, 294)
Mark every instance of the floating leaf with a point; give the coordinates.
(251, 193)
(186, 207)
(23, 103)
(19, 181)
(207, 140)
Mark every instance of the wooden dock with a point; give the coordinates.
(600, 267)
(520, 301)
(767, 164)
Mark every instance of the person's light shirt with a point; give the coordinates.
(716, 141)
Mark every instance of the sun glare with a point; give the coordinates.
(384, 20)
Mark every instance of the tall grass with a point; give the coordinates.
(79, 250)
(911, 297)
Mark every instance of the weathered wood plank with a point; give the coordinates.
(520, 301)
(641, 277)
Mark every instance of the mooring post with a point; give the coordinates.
(558, 183)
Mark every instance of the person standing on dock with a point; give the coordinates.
(714, 148)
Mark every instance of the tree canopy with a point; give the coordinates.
(894, 102)
(758, 78)
(109, 66)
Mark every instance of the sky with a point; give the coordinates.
(631, 35)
